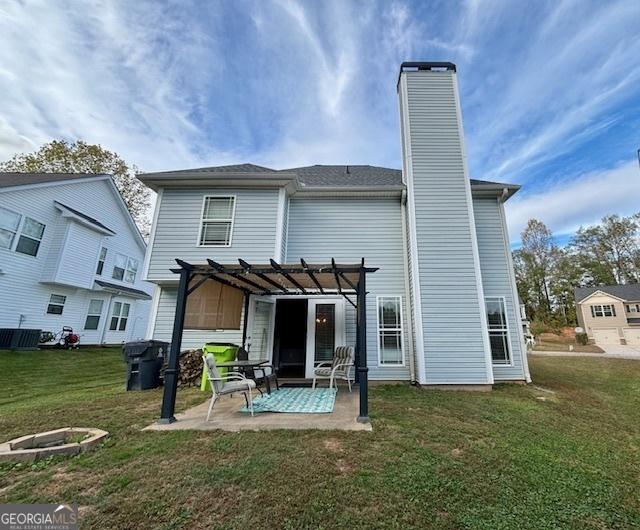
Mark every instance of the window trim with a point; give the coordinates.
(594, 311)
(18, 234)
(119, 317)
(89, 314)
(506, 329)
(401, 329)
(125, 269)
(202, 220)
(50, 303)
(102, 260)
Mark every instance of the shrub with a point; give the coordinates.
(581, 338)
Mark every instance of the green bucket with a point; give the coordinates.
(222, 352)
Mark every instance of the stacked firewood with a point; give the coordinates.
(190, 373)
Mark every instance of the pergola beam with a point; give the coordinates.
(248, 268)
(288, 276)
(221, 269)
(311, 275)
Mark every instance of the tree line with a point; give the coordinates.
(607, 253)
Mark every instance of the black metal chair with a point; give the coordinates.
(250, 372)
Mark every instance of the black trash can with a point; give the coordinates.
(144, 361)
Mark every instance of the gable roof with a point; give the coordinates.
(85, 217)
(319, 175)
(11, 179)
(628, 293)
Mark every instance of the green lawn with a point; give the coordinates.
(435, 459)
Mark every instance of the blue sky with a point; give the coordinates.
(550, 90)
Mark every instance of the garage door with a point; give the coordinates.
(632, 336)
(606, 336)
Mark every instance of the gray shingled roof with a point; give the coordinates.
(234, 168)
(8, 180)
(123, 289)
(327, 175)
(629, 292)
(320, 175)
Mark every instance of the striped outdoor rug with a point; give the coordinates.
(296, 400)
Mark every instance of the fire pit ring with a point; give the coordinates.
(67, 441)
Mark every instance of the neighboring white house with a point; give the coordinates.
(442, 308)
(70, 255)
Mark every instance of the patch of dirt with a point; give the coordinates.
(334, 445)
(456, 451)
(344, 467)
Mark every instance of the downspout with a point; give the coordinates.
(407, 290)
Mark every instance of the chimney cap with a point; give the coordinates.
(413, 66)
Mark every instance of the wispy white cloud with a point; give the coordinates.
(287, 83)
(583, 200)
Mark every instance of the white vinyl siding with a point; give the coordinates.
(496, 279)
(67, 259)
(390, 339)
(455, 340)
(178, 228)
(216, 225)
(349, 229)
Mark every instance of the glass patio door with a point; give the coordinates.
(325, 331)
(260, 336)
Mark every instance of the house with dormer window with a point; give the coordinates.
(71, 255)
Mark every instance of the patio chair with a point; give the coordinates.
(229, 383)
(339, 367)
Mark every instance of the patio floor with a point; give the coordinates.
(226, 417)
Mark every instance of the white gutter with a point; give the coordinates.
(407, 290)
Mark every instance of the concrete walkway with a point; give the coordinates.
(613, 351)
(226, 417)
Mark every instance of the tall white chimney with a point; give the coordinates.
(447, 299)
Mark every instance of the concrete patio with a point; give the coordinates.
(226, 416)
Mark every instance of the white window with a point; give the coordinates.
(633, 308)
(606, 310)
(9, 223)
(20, 233)
(216, 225)
(93, 314)
(125, 268)
(56, 304)
(390, 331)
(119, 316)
(498, 330)
(101, 259)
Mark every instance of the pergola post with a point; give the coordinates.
(362, 370)
(245, 320)
(173, 364)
